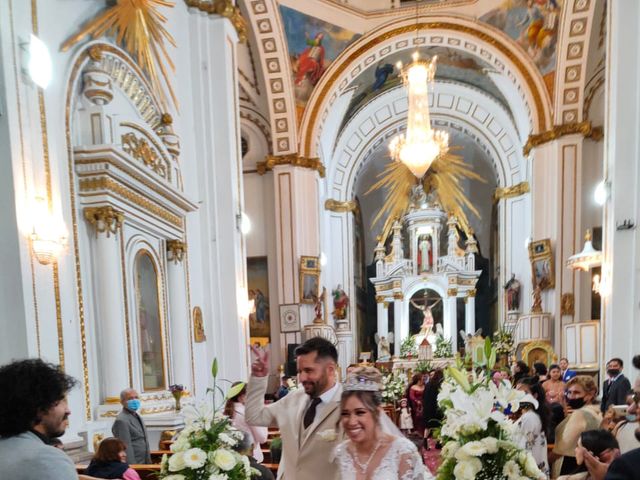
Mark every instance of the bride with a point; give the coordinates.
(375, 449)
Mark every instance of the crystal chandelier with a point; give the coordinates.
(421, 145)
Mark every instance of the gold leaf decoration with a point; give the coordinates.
(138, 26)
(443, 179)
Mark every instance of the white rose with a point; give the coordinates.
(467, 469)
(218, 476)
(511, 470)
(176, 462)
(531, 467)
(328, 435)
(176, 476)
(194, 458)
(450, 449)
(491, 444)
(227, 440)
(474, 449)
(224, 459)
(180, 445)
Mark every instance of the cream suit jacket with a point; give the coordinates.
(306, 455)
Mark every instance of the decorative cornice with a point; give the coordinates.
(224, 8)
(104, 219)
(176, 250)
(340, 207)
(379, 299)
(471, 293)
(294, 159)
(398, 296)
(510, 192)
(452, 292)
(583, 128)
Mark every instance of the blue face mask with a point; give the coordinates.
(631, 418)
(133, 404)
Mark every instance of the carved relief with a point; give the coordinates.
(140, 149)
(104, 219)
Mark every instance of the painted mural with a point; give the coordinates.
(313, 44)
(452, 65)
(533, 24)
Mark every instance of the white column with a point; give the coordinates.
(450, 320)
(345, 347)
(383, 318)
(620, 327)
(179, 315)
(110, 320)
(470, 314)
(400, 330)
(216, 140)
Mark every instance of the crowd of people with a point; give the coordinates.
(339, 429)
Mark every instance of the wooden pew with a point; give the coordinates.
(146, 472)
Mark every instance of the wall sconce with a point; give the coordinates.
(601, 192)
(48, 237)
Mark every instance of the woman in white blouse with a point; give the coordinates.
(234, 409)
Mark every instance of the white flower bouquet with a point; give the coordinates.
(204, 449)
(393, 387)
(478, 437)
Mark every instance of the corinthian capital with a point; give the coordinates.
(104, 219)
(176, 250)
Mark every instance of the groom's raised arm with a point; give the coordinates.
(256, 412)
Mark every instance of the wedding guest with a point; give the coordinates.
(554, 386)
(594, 447)
(110, 461)
(414, 394)
(582, 415)
(566, 373)
(235, 410)
(375, 449)
(246, 447)
(534, 421)
(520, 370)
(616, 388)
(628, 465)
(130, 428)
(283, 389)
(540, 371)
(625, 430)
(432, 414)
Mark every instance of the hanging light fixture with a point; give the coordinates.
(421, 145)
(588, 258)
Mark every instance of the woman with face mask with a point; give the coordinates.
(625, 430)
(598, 445)
(582, 415)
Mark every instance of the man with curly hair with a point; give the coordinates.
(33, 411)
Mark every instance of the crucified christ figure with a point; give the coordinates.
(427, 318)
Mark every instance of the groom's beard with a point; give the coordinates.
(315, 388)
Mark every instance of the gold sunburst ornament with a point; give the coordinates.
(138, 27)
(442, 179)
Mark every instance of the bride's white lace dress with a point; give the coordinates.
(401, 461)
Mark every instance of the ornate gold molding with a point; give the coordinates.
(398, 296)
(379, 299)
(224, 8)
(567, 306)
(140, 149)
(471, 293)
(510, 192)
(104, 219)
(385, 304)
(583, 128)
(176, 250)
(294, 159)
(340, 207)
(92, 184)
(452, 292)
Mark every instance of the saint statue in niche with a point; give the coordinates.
(424, 253)
(384, 347)
(512, 290)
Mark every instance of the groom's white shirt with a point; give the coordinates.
(307, 454)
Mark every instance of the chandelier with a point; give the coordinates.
(421, 145)
(588, 258)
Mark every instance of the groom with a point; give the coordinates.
(307, 417)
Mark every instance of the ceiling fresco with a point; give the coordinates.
(313, 44)
(533, 24)
(452, 64)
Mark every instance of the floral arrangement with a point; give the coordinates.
(408, 348)
(176, 389)
(503, 341)
(443, 348)
(204, 449)
(393, 387)
(423, 366)
(480, 441)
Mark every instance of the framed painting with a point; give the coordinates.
(542, 269)
(309, 279)
(290, 318)
(258, 283)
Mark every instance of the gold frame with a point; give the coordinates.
(540, 250)
(309, 267)
(159, 284)
(552, 357)
(199, 335)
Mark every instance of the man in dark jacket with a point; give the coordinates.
(616, 388)
(628, 465)
(129, 427)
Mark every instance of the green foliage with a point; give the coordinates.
(444, 348)
(408, 348)
(423, 366)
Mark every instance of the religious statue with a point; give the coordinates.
(512, 291)
(340, 303)
(427, 318)
(418, 197)
(424, 253)
(317, 306)
(198, 327)
(384, 347)
(537, 300)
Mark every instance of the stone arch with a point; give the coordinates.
(518, 74)
(266, 27)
